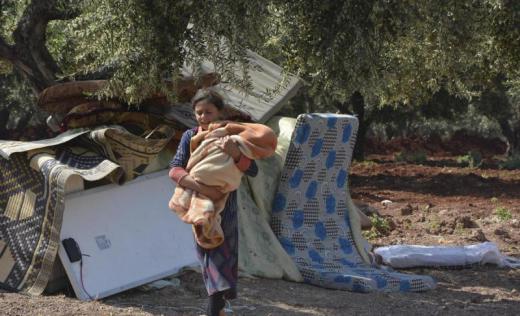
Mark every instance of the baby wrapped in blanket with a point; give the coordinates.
(209, 165)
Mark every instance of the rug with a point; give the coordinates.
(9, 147)
(134, 153)
(311, 214)
(31, 210)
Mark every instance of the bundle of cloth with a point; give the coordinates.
(211, 166)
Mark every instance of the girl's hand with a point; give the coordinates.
(230, 147)
(211, 192)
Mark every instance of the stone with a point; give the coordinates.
(501, 232)
(479, 236)
(385, 203)
(466, 222)
(407, 210)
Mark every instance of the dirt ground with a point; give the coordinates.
(438, 202)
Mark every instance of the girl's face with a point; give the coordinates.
(206, 113)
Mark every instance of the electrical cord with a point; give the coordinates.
(81, 276)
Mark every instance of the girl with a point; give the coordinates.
(219, 265)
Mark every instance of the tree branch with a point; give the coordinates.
(41, 12)
(29, 54)
(6, 50)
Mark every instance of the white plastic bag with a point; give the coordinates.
(408, 256)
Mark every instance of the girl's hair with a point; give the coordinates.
(209, 96)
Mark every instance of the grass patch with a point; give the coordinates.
(380, 227)
(434, 224)
(459, 229)
(472, 159)
(367, 163)
(503, 213)
(409, 156)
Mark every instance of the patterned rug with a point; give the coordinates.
(31, 210)
(9, 147)
(312, 216)
(134, 153)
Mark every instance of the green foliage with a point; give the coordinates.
(511, 162)
(380, 227)
(5, 67)
(503, 213)
(434, 224)
(10, 13)
(146, 42)
(17, 103)
(391, 52)
(472, 159)
(412, 156)
(501, 102)
(401, 56)
(397, 124)
(140, 43)
(367, 163)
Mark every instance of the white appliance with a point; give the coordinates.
(126, 234)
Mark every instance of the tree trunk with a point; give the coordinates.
(358, 105)
(358, 108)
(4, 119)
(29, 55)
(512, 135)
(309, 103)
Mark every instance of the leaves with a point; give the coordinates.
(392, 52)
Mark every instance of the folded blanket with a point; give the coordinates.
(209, 165)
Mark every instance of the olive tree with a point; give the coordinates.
(358, 56)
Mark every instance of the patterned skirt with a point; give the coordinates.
(220, 265)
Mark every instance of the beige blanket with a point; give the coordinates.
(209, 165)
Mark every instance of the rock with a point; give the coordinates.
(407, 210)
(446, 227)
(433, 230)
(428, 206)
(479, 236)
(443, 212)
(501, 232)
(385, 203)
(366, 209)
(466, 222)
(391, 224)
(486, 221)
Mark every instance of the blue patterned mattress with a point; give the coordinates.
(310, 213)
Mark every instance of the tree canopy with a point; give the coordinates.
(135, 43)
(399, 51)
(386, 52)
(390, 51)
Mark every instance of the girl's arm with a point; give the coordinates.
(182, 155)
(179, 174)
(211, 192)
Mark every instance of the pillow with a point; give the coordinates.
(62, 97)
(92, 113)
